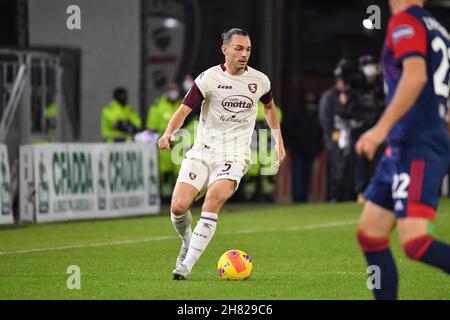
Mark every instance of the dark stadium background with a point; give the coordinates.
(282, 31)
(296, 43)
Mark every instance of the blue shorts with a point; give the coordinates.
(407, 181)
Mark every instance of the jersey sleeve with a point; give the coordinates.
(267, 96)
(198, 91)
(202, 83)
(193, 97)
(407, 37)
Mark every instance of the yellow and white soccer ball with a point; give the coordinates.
(235, 265)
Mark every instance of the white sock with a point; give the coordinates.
(182, 225)
(203, 232)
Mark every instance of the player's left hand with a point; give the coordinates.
(368, 143)
(281, 153)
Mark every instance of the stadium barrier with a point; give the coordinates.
(6, 214)
(61, 182)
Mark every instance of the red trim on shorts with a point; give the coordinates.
(416, 182)
(415, 208)
(420, 210)
(412, 182)
(371, 244)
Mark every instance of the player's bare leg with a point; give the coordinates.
(410, 228)
(374, 230)
(182, 198)
(218, 193)
(418, 244)
(376, 221)
(216, 196)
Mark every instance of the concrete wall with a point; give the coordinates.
(110, 43)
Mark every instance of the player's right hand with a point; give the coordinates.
(164, 141)
(281, 154)
(368, 143)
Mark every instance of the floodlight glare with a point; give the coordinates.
(367, 23)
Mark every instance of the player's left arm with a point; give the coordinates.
(412, 81)
(271, 115)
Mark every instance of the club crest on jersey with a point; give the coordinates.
(252, 87)
(402, 31)
(192, 175)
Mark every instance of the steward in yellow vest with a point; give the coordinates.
(158, 117)
(119, 121)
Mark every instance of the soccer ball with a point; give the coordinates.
(235, 265)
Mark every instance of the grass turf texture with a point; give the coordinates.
(298, 252)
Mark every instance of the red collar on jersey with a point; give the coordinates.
(222, 66)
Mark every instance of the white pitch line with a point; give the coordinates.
(86, 245)
(160, 238)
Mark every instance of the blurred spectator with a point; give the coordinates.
(336, 131)
(187, 83)
(158, 118)
(364, 105)
(304, 140)
(50, 114)
(119, 122)
(258, 184)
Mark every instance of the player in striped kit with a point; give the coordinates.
(404, 191)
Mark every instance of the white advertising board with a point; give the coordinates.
(6, 215)
(88, 181)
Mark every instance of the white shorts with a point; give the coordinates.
(201, 173)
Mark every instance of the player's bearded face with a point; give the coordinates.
(237, 52)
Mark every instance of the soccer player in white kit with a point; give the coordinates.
(220, 156)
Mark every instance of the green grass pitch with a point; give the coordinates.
(299, 252)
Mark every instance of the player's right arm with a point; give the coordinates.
(175, 123)
(407, 38)
(414, 78)
(412, 82)
(195, 95)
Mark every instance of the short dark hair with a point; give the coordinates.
(119, 91)
(227, 35)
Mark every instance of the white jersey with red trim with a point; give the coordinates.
(228, 112)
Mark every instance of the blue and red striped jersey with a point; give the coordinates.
(414, 32)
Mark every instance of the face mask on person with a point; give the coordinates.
(187, 84)
(122, 99)
(173, 95)
(370, 70)
(311, 107)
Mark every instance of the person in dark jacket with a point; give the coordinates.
(336, 135)
(363, 105)
(305, 142)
